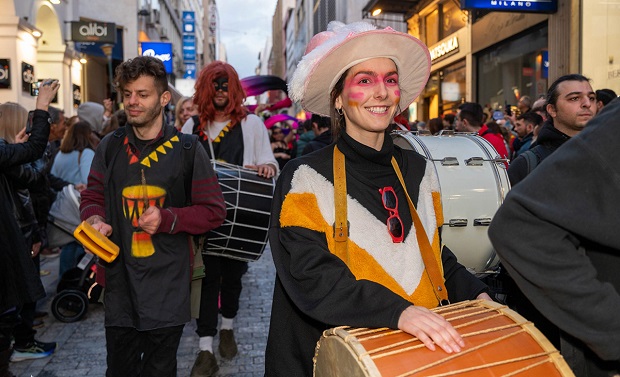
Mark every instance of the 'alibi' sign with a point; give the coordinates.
(93, 31)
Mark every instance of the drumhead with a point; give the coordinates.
(474, 182)
(244, 233)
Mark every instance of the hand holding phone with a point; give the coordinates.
(29, 122)
(47, 92)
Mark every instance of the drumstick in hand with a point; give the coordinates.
(145, 196)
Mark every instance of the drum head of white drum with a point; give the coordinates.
(473, 186)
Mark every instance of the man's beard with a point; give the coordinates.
(146, 118)
(221, 107)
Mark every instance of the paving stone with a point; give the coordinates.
(81, 345)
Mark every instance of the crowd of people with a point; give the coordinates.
(355, 228)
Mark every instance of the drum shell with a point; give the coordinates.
(244, 233)
(498, 341)
(474, 182)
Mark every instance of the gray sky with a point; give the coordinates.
(245, 26)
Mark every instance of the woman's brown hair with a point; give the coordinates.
(77, 138)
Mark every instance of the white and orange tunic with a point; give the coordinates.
(315, 288)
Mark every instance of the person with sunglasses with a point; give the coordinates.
(342, 232)
(231, 134)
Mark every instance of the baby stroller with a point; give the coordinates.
(76, 288)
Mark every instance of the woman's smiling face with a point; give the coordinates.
(370, 96)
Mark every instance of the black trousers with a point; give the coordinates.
(133, 353)
(222, 281)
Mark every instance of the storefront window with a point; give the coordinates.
(513, 69)
(453, 19)
(431, 26)
(445, 91)
(452, 87)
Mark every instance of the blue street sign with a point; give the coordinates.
(189, 48)
(189, 22)
(190, 71)
(534, 6)
(159, 50)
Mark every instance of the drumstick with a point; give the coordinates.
(145, 196)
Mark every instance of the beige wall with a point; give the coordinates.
(600, 40)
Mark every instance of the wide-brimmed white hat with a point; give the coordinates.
(330, 53)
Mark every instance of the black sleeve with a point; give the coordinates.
(460, 283)
(26, 176)
(517, 170)
(33, 149)
(56, 183)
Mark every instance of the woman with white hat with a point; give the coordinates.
(355, 226)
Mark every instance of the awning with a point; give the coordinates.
(404, 7)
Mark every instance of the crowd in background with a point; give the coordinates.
(71, 143)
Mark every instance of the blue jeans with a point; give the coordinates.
(70, 256)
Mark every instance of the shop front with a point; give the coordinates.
(447, 85)
(511, 59)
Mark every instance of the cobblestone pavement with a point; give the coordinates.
(81, 345)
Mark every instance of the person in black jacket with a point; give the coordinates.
(19, 281)
(571, 103)
(321, 126)
(564, 262)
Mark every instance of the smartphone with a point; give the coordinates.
(508, 110)
(29, 122)
(34, 87)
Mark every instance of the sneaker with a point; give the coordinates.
(205, 365)
(228, 346)
(33, 350)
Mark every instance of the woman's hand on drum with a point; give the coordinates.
(430, 328)
(265, 170)
(150, 220)
(484, 296)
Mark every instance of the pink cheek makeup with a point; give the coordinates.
(356, 95)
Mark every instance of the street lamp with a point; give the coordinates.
(107, 51)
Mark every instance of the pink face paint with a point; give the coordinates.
(356, 95)
(397, 93)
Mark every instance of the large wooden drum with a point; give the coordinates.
(498, 342)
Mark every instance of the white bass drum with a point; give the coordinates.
(474, 182)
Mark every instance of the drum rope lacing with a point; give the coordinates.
(465, 308)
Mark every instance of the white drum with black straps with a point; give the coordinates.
(243, 235)
(474, 182)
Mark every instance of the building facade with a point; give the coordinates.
(486, 56)
(80, 42)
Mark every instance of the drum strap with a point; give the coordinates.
(341, 224)
(432, 267)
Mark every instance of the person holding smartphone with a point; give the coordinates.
(19, 281)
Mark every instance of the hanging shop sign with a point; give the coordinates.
(444, 49)
(5, 74)
(27, 77)
(93, 31)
